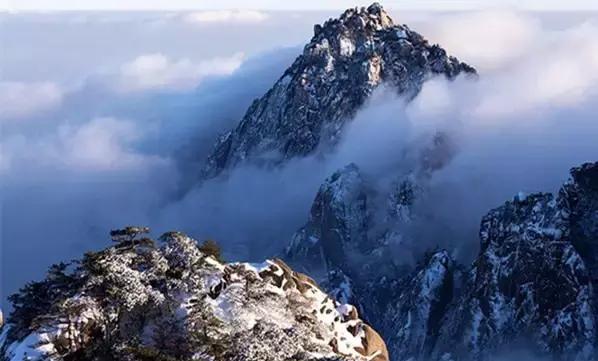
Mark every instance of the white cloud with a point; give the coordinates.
(100, 145)
(524, 67)
(226, 16)
(430, 5)
(20, 100)
(559, 70)
(487, 39)
(157, 71)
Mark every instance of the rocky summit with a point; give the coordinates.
(179, 301)
(309, 105)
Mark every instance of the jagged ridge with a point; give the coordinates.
(346, 59)
(532, 285)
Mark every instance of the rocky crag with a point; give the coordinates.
(531, 285)
(309, 106)
(178, 301)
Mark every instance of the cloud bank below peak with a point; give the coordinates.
(159, 72)
(226, 16)
(25, 99)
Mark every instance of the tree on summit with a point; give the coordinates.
(211, 248)
(128, 234)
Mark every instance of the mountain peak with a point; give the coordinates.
(374, 17)
(309, 105)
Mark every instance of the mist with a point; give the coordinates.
(114, 148)
(125, 145)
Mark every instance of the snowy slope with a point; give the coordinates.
(136, 301)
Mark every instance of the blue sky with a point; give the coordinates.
(555, 5)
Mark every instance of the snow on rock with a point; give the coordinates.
(412, 322)
(337, 223)
(346, 59)
(529, 284)
(533, 282)
(138, 301)
(348, 247)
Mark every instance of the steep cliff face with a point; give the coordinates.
(412, 320)
(349, 237)
(579, 200)
(532, 284)
(529, 285)
(529, 288)
(346, 59)
(137, 301)
(337, 225)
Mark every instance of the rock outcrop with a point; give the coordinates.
(531, 286)
(413, 319)
(137, 301)
(337, 225)
(346, 59)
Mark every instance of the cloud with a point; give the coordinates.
(227, 16)
(21, 100)
(157, 71)
(563, 72)
(519, 127)
(105, 159)
(102, 144)
(98, 145)
(506, 36)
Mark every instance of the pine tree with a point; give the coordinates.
(211, 248)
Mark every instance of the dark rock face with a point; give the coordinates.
(344, 243)
(413, 320)
(531, 284)
(337, 225)
(346, 59)
(579, 197)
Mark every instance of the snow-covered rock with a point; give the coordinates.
(411, 323)
(346, 59)
(337, 225)
(531, 286)
(348, 248)
(137, 301)
(528, 285)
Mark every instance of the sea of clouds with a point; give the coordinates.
(93, 143)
